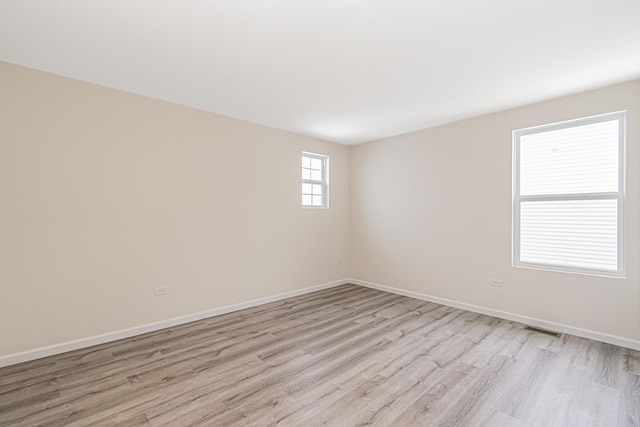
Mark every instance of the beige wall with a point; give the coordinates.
(431, 213)
(105, 195)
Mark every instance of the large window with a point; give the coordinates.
(315, 168)
(569, 194)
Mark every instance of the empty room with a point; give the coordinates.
(304, 213)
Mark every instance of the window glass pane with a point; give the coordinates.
(317, 189)
(306, 162)
(317, 200)
(570, 233)
(315, 175)
(316, 163)
(579, 159)
(306, 200)
(306, 174)
(306, 188)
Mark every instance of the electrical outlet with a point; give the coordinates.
(496, 282)
(160, 291)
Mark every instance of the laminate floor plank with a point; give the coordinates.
(629, 414)
(346, 356)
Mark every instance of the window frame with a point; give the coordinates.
(324, 180)
(518, 199)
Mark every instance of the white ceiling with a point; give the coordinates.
(347, 71)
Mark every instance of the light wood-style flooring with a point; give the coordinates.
(347, 356)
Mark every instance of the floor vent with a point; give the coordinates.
(542, 331)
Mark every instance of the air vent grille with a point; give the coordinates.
(542, 331)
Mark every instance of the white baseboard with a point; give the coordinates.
(13, 359)
(532, 321)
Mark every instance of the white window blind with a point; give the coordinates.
(568, 195)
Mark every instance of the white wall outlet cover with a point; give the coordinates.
(160, 291)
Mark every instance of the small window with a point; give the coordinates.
(568, 196)
(315, 171)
